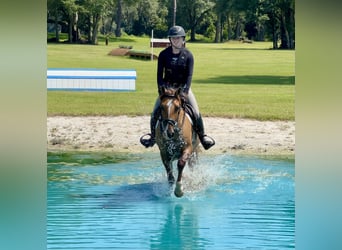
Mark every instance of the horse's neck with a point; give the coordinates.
(189, 118)
(182, 118)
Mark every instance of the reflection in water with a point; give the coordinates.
(230, 203)
(180, 229)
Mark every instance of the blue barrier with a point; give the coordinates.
(91, 79)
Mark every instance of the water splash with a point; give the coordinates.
(204, 176)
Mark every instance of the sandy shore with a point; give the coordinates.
(122, 133)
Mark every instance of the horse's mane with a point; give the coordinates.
(169, 93)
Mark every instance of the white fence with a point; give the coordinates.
(91, 79)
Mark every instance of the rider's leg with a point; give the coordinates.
(206, 141)
(153, 121)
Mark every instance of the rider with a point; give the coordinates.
(175, 67)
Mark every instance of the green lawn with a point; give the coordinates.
(230, 80)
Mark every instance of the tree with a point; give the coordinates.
(281, 22)
(286, 24)
(54, 8)
(118, 7)
(95, 10)
(174, 12)
(192, 12)
(226, 19)
(220, 9)
(147, 17)
(112, 17)
(71, 9)
(118, 18)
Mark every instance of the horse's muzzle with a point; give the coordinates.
(169, 128)
(170, 133)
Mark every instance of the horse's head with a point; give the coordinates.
(170, 106)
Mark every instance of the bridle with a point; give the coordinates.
(171, 129)
(165, 123)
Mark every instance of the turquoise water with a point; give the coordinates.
(229, 203)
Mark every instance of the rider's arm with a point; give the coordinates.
(160, 72)
(190, 69)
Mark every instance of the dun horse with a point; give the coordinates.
(175, 136)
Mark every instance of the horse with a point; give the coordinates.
(175, 136)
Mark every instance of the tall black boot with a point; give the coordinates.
(149, 142)
(207, 141)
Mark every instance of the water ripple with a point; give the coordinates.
(230, 203)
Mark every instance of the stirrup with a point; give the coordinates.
(207, 143)
(149, 142)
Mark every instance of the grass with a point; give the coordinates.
(230, 80)
(86, 158)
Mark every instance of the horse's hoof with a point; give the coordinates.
(179, 195)
(179, 190)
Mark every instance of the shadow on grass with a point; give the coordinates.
(242, 48)
(248, 79)
(253, 48)
(121, 39)
(101, 39)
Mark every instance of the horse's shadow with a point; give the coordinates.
(129, 194)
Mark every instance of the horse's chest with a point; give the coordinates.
(173, 148)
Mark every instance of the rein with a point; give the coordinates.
(163, 96)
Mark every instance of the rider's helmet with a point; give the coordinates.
(176, 31)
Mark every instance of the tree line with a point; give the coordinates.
(216, 20)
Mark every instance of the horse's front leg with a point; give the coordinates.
(168, 167)
(180, 165)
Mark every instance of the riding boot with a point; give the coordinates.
(207, 141)
(152, 140)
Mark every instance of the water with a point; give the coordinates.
(229, 203)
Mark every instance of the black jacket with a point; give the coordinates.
(175, 70)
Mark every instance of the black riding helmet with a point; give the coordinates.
(176, 31)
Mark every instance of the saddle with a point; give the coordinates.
(190, 111)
